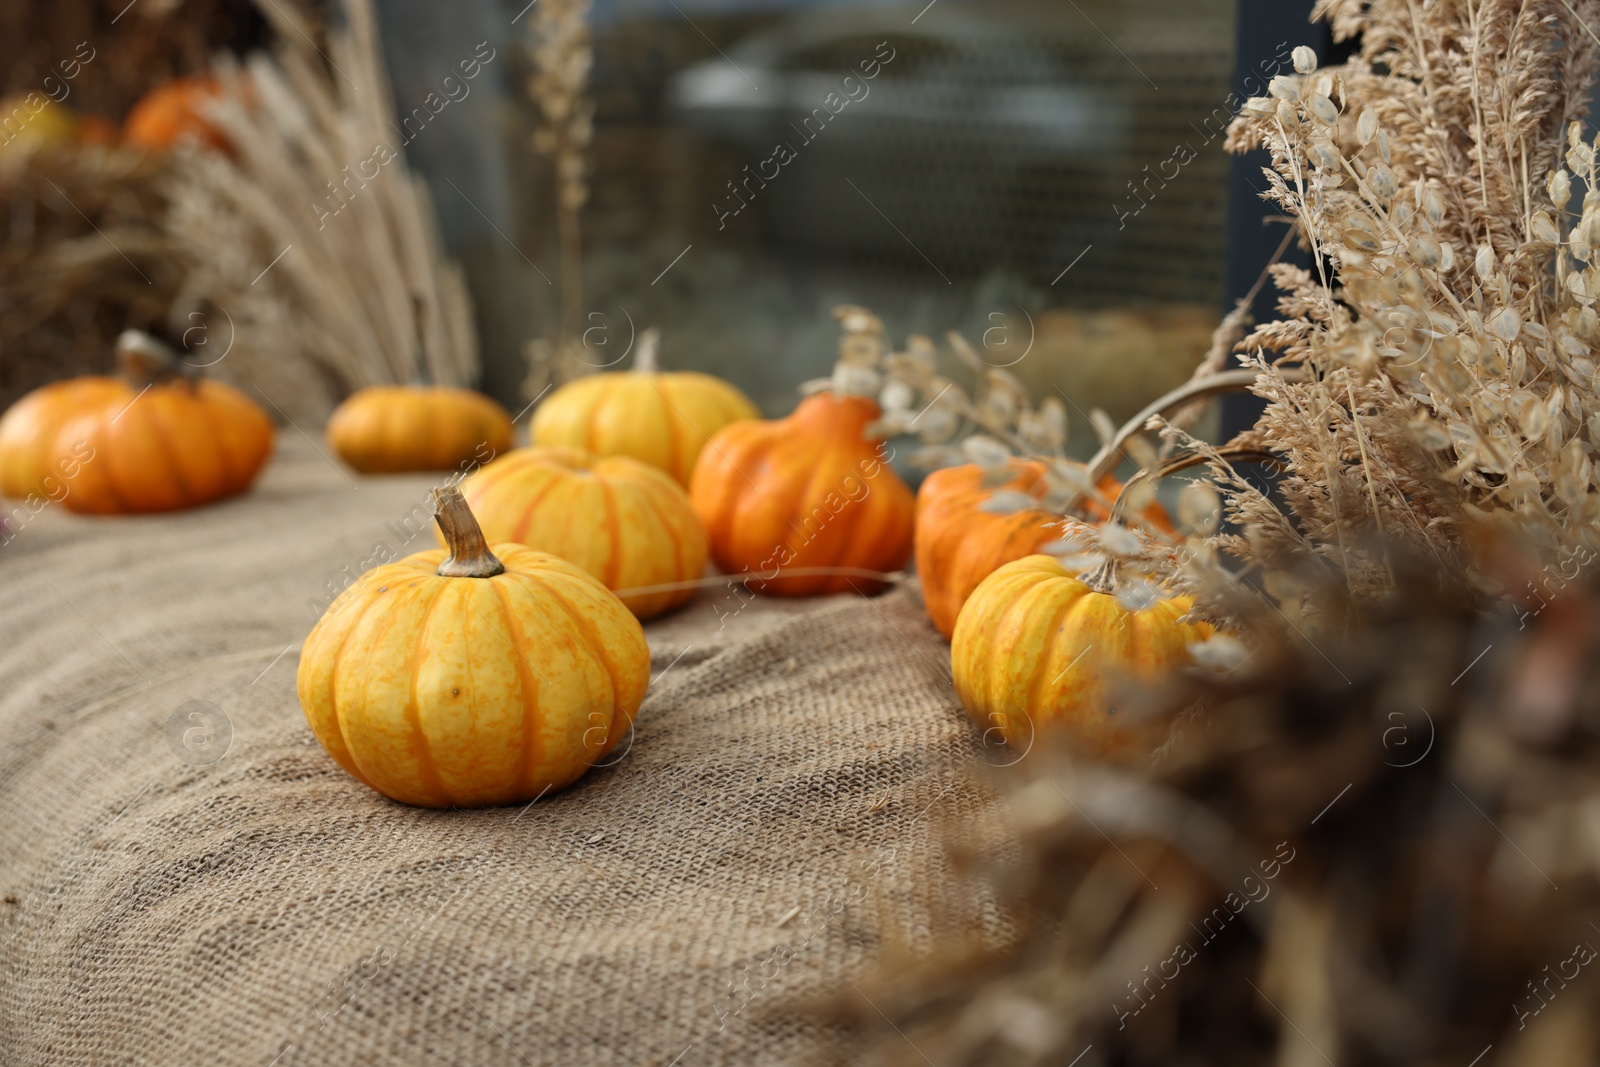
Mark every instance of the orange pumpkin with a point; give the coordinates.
(172, 112)
(807, 491)
(393, 428)
(1036, 650)
(958, 544)
(152, 440)
(622, 521)
(28, 465)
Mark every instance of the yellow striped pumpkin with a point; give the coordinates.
(467, 677)
(626, 523)
(663, 419)
(1036, 650)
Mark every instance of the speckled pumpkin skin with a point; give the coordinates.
(467, 692)
(624, 522)
(1035, 651)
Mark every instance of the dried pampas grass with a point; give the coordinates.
(329, 279)
(1448, 334)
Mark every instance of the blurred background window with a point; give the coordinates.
(1046, 176)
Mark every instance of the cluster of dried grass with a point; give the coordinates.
(81, 259)
(328, 279)
(562, 55)
(1433, 375)
(1448, 329)
(1350, 860)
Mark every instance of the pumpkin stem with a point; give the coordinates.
(145, 360)
(644, 360)
(1103, 579)
(469, 552)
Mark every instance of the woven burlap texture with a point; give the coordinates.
(188, 878)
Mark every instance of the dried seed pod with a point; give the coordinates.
(1199, 509)
(1484, 262)
(1505, 324)
(1305, 60)
(985, 451)
(1425, 250)
(1560, 189)
(1284, 88)
(1432, 206)
(1323, 109)
(1366, 126)
(1543, 228)
(1381, 181)
(1325, 155)
(1120, 541)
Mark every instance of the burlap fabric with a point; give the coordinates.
(188, 879)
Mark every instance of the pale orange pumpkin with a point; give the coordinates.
(959, 544)
(172, 112)
(393, 428)
(472, 677)
(1036, 650)
(807, 491)
(626, 523)
(28, 463)
(663, 419)
(151, 440)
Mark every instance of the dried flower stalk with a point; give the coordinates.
(358, 291)
(562, 57)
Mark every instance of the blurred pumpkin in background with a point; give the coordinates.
(807, 491)
(624, 522)
(172, 112)
(30, 121)
(663, 419)
(466, 677)
(959, 543)
(28, 462)
(1037, 650)
(393, 428)
(150, 440)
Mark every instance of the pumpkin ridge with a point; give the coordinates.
(427, 770)
(613, 561)
(333, 688)
(158, 430)
(101, 431)
(532, 748)
(1038, 688)
(648, 494)
(532, 506)
(487, 476)
(992, 680)
(817, 583)
(593, 645)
